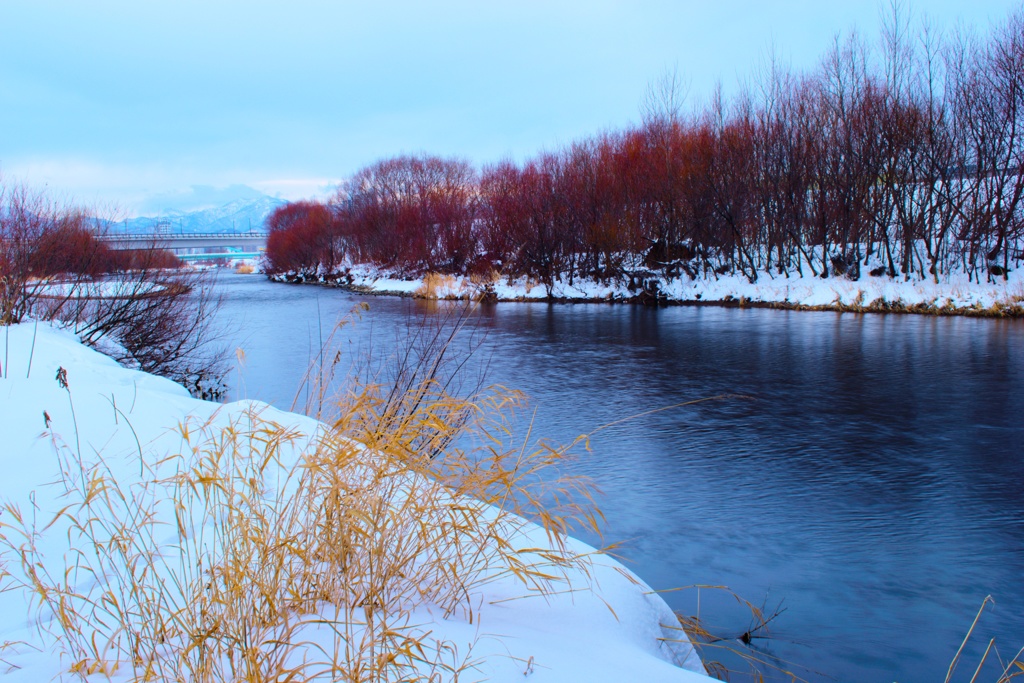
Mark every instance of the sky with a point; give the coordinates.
(143, 106)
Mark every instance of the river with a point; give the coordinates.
(871, 477)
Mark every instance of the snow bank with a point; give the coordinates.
(116, 413)
(955, 294)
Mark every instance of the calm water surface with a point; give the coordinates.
(873, 481)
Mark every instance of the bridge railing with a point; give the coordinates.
(172, 236)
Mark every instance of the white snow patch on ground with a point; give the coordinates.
(955, 291)
(110, 410)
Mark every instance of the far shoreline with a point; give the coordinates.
(1011, 306)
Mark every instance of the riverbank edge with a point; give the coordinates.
(1011, 307)
(38, 352)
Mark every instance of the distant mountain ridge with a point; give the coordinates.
(241, 215)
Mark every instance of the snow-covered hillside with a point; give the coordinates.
(62, 404)
(240, 215)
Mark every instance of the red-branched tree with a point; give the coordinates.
(303, 237)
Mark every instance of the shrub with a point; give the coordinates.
(53, 267)
(299, 556)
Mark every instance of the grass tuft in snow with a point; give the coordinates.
(300, 556)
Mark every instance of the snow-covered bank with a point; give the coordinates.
(55, 391)
(956, 295)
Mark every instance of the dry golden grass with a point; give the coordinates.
(437, 286)
(719, 651)
(492, 276)
(1007, 669)
(258, 553)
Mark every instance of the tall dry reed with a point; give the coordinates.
(260, 553)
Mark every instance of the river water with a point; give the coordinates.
(871, 479)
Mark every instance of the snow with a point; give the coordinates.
(955, 293)
(112, 288)
(110, 411)
(239, 215)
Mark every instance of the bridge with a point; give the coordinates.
(244, 241)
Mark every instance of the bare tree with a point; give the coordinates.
(54, 267)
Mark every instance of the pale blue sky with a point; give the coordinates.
(132, 103)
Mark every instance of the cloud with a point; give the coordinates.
(199, 197)
(299, 188)
(126, 190)
(195, 198)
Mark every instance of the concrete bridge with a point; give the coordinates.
(242, 241)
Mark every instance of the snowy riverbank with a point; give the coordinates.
(59, 396)
(956, 295)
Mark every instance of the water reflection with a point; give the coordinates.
(873, 478)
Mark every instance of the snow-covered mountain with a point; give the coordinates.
(240, 215)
